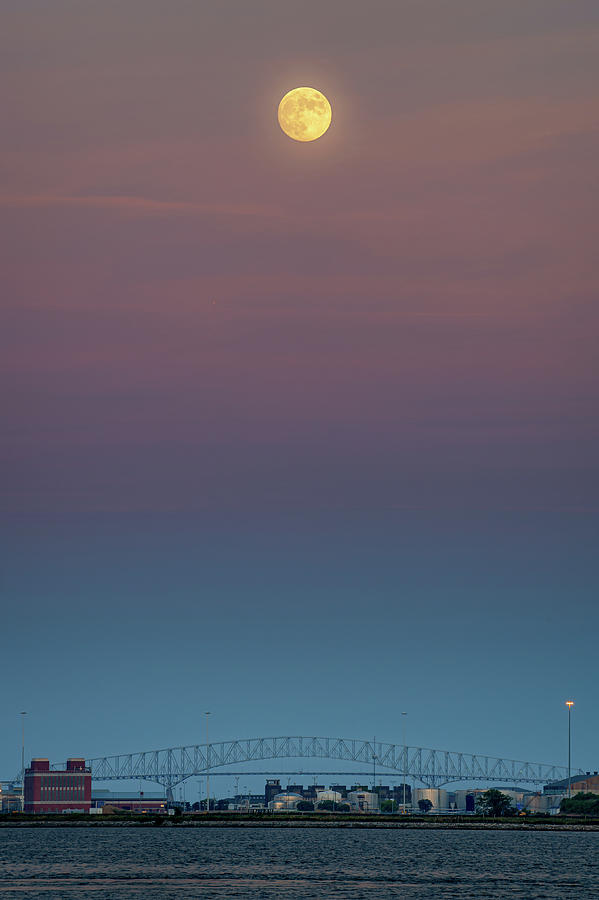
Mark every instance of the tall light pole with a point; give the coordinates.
(23, 714)
(207, 767)
(374, 765)
(569, 704)
(405, 758)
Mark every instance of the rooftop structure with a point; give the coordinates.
(271, 788)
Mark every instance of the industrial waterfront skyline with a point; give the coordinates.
(430, 773)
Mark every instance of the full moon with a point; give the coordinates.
(304, 114)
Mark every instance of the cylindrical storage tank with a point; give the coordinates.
(335, 796)
(283, 801)
(461, 801)
(437, 796)
(363, 801)
(517, 797)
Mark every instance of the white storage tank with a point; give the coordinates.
(363, 801)
(461, 801)
(285, 800)
(437, 796)
(334, 796)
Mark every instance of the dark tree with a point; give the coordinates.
(583, 804)
(332, 806)
(305, 806)
(494, 803)
(424, 805)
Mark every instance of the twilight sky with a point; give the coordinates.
(303, 434)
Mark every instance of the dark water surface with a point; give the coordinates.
(106, 863)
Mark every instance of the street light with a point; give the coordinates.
(405, 760)
(207, 767)
(23, 714)
(569, 704)
(374, 765)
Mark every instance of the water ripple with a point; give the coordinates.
(135, 863)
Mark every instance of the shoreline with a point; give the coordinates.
(186, 822)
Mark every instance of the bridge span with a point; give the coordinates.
(174, 765)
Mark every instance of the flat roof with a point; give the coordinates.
(127, 795)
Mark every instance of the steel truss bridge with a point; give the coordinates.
(174, 765)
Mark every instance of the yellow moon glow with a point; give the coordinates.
(304, 114)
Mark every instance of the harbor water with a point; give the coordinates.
(178, 862)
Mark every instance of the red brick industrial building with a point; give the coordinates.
(49, 791)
